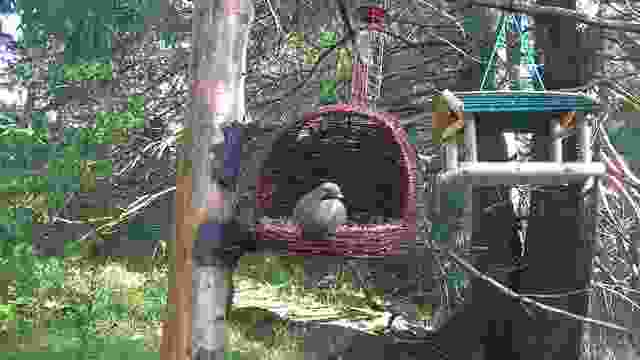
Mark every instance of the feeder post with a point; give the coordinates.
(451, 151)
(556, 144)
(471, 156)
(470, 141)
(584, 138)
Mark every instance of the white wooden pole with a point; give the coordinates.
(584, 138)
(556, 144)
(535, 173)
(471, 146)
(470, 140)
(451, 156)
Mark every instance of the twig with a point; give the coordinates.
(276, 18)
(446, 15)
(560, 12)
(505, 290)
(553, 296)
(623, 296)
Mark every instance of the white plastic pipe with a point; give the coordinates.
(535, 173)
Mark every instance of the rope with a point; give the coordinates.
(493, 52)
(518, 25)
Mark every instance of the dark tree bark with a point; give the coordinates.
(485, 322)
(560, 235)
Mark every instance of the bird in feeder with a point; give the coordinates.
(320, 212)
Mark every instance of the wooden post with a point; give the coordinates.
(176, 334)
(556, 144)
(470, 140)
(451, 156)
(584, 138)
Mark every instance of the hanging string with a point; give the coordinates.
(519, 25)
(499, 43)
(367, 73)
(7, 7)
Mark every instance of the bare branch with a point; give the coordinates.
(276, 18)
(505, 290)
(556, 11)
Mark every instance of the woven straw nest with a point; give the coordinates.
(368, 155)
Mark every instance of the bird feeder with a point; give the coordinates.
(495, 108)
(367, 153)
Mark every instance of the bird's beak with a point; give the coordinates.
(340, 196)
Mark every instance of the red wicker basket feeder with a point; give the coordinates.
(368, 155)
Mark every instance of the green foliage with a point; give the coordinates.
(232, 355)
(33, 35)
(88, 71)
(7, 312)
(279, 279)
(154, 300)
(55, 79)
(440, 232)
(168, 39)
(89, 40)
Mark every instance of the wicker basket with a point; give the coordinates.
(368, 155)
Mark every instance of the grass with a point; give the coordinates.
(85, 282)
(141, 329)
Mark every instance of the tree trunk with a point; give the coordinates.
(559, 240)
(220, 38)
(484, 322)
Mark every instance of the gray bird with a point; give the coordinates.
(320, 212)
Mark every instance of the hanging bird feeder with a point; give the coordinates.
(365, 152)
(368, 155)
(520, 109)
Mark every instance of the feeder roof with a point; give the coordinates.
(526, 101)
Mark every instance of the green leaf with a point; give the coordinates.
(456, 280)
(279, 279)
(630, 105)
(24, 71)
(232, 355)
(328, 92)
(440, 232)
(471, 24)
(412, 135)
(327, 39)
(103, 168)
(456, 199)
(295, 40)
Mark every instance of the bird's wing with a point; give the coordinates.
(331, 213)
(302, 211)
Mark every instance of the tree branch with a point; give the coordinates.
(512, 294)
(552, 10)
